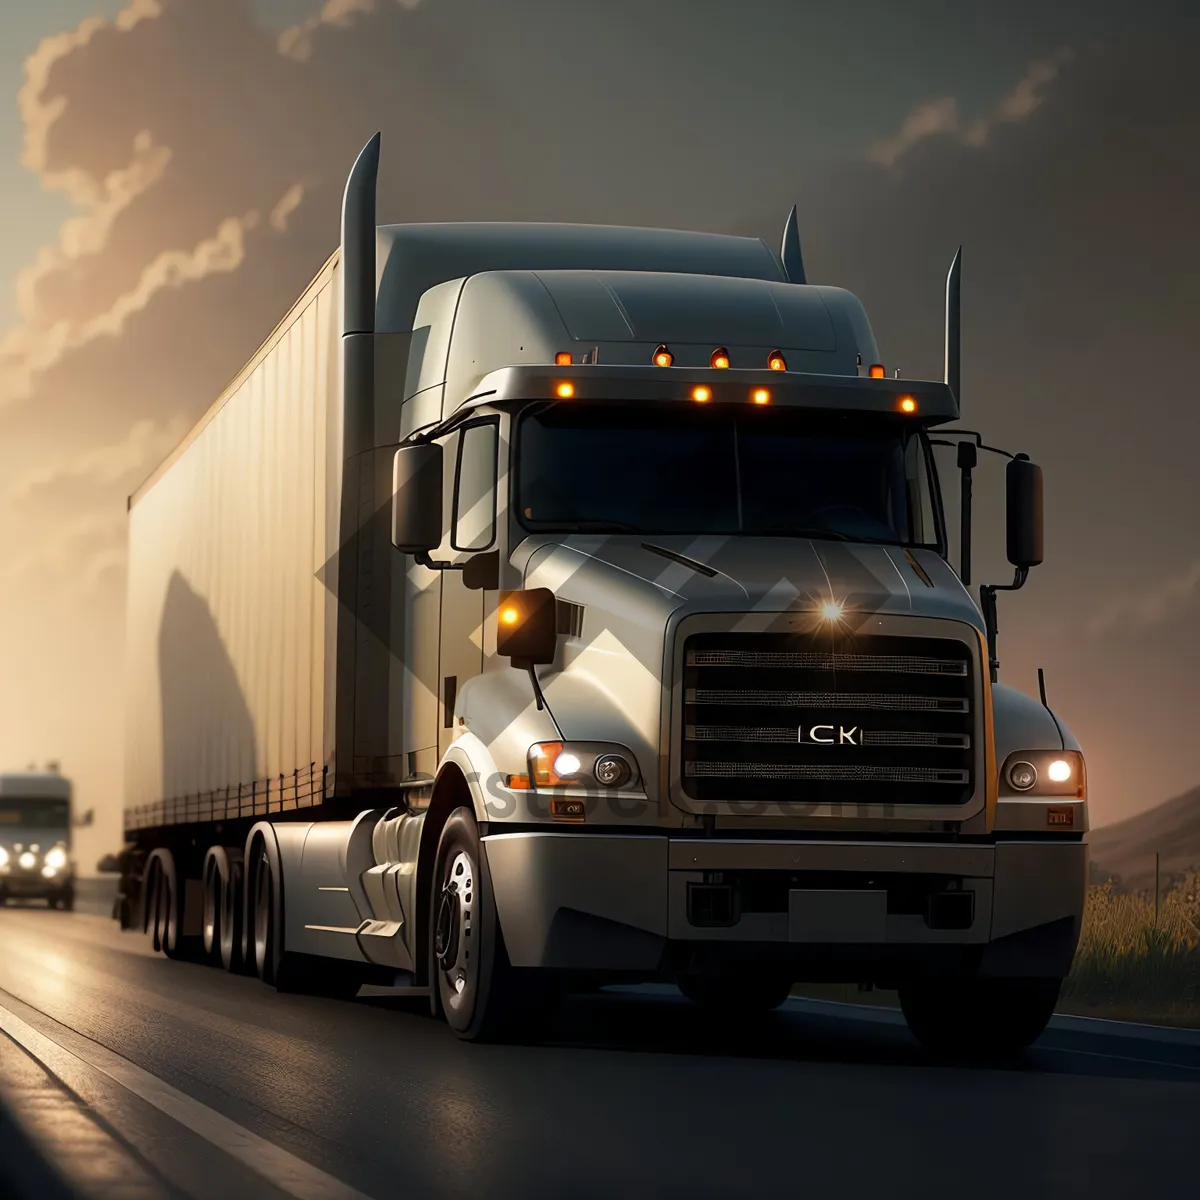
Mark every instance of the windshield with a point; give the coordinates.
(671, 469)
(33, 813)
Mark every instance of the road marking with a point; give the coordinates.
(1126, 1058)
(285, 1171)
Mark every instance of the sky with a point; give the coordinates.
(172, 171)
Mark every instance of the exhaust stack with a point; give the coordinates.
(954, 327)
(790, 254)
(358, 298)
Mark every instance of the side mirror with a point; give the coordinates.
(1024, 517)
(527, 627)
(417, 498)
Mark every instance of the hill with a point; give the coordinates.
(1126, 850)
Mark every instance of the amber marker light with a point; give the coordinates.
(701, 394)
(877, 371)
(776, 361)
(565, 390)
(509, 615)
(908, 404)
(562, 358)
(663, 357)
(719, 359)
(760, 396)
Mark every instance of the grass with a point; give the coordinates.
(1131, 965)
(1134, 965)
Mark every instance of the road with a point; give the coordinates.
(181, 1081)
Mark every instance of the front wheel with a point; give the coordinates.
(979, 1016)
(482, 996)
(735, 995)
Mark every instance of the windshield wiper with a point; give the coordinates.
(835, 535)
(594, 527)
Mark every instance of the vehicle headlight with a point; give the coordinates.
(28, 860)
(1045, 773)
(56, 859)
(559, 764)
(3, 857)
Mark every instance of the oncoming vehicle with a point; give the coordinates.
(35, 839)
(547, 606)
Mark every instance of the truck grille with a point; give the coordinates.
(870, 720)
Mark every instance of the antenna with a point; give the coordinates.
(793, 259)
(954, 327)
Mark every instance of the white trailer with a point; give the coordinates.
(550, 605)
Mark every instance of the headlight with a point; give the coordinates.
(1045, 773)
(559, 764)
(3, 857)
(28, 860)
(56, 859)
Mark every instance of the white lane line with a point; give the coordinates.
(285, 1171)
(1125, 1058)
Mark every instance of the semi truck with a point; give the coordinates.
(35, 838)
(548, 607)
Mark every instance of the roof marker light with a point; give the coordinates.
(565, 390)
(663, 357)
(719, 360)
(877, 371)
(760, 396)
(701, 394)
(908, 404)
(776, 361)
(562, 358)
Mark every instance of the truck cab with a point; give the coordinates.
(35, 839)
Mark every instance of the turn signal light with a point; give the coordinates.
(760, 396)
(527, 626)
(719, 360)
(776, 361)
(908, 404)
(562, 358)
(663, 357)
(701, 394)
(877, 371)
(551, 765)
(565, 390)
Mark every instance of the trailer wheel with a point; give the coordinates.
(263, 925)
(988, 1017)
(482, 996)
(214, 903)
(231, 916)
(735, 995)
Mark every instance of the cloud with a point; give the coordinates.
(940, 117)
(122, 462)
(1156, 606)
(297, 40)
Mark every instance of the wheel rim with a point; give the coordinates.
(212, 908)
(454, 927)
(262, 917)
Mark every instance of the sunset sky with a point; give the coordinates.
(172, 171)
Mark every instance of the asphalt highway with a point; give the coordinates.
(149, 1078)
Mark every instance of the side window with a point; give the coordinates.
(920, 493)
(475, 488)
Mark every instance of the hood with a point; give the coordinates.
(737, 574)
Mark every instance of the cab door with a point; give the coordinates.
(470, 499)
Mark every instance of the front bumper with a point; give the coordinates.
(33, 886)
(852, 910)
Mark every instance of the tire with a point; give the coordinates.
(231, 917)
(67, 900)
(985, 1017)
(478, 991)
(735, 995)
(215, 887)
(264, 925)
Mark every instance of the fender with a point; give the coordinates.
(472, 757)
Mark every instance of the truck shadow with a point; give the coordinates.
(207, 728)
(665, 1023)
